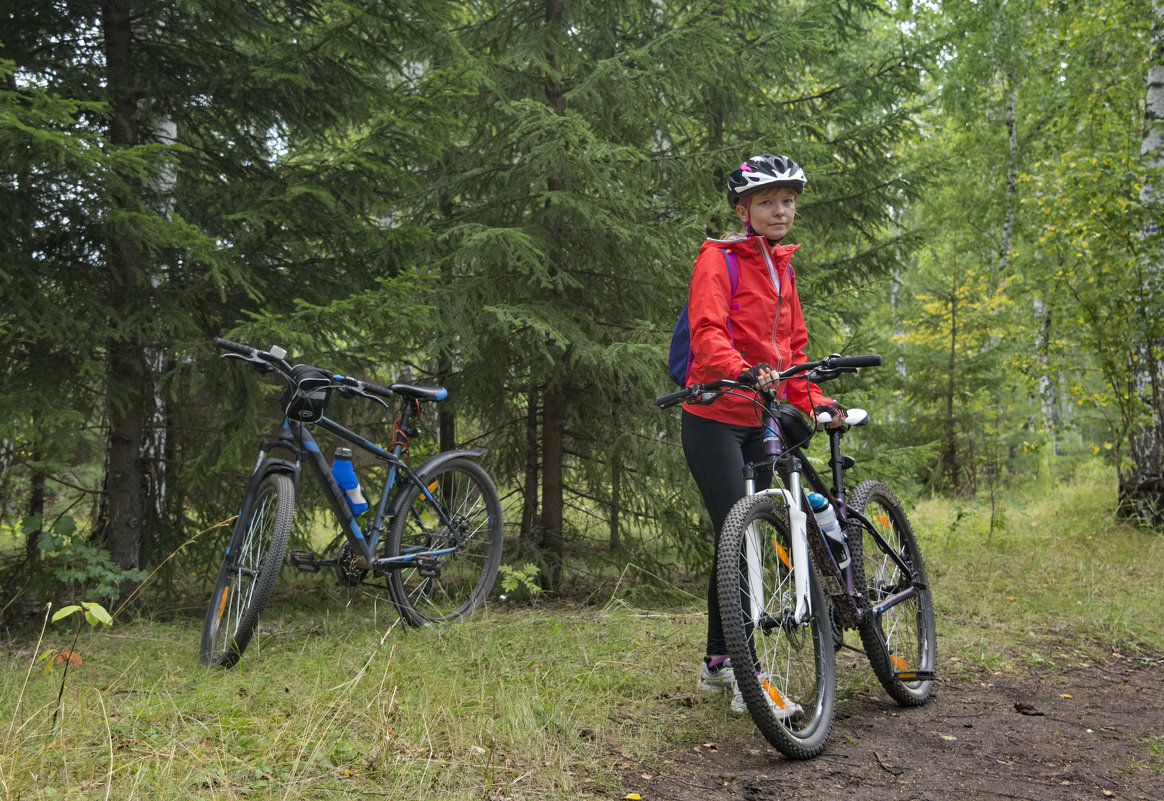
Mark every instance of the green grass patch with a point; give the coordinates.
(522, 701)
(1055, 568)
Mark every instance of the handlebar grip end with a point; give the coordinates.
(871, 360)
(233, 347)
(670, 399)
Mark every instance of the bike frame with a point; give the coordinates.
(299, 439)
(789, 467)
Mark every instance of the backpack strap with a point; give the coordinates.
(679, 355)
(733, 268)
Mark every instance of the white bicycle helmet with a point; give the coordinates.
(763, 172)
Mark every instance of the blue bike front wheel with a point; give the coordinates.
(249, 569)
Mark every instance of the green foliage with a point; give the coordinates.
(508, 203)
(521, 580)
(79, 565)
(95, 614)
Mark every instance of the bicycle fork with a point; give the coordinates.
(754, 551)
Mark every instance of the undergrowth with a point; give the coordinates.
(545, 699)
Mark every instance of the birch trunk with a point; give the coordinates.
(1142, 486)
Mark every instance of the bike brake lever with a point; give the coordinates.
(259, 365)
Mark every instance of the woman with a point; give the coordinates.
(748, 335)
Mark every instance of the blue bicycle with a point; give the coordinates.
(434, 532)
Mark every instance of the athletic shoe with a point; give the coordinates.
(783, 708)
(716, 675)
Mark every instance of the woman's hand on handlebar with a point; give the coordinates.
(761, 376)
(833, 410)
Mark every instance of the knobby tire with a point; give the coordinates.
(249, 570)
(464, 577)
(795, 663)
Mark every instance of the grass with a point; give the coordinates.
(1060, 569)
(522, 702)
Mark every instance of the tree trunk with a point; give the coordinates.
(36, 498)
(1141, 491)
(529, 507)
(615, 500)
(553, 544)
(1048, 389)
(1011, 181)
(553, 405)
(126, 506)
(950, 446)
(446, 420)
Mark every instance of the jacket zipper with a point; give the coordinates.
(779, 302)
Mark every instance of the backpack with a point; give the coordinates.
(680, 357)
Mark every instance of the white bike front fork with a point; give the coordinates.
(754, 555)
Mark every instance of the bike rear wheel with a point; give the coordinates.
(901, 641)
(791, 692)
(249, 570)
(455, 584)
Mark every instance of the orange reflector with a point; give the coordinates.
(222, 601)
(432, 488)
(898, 662)
(782, 555)
(882, 519)
(774, 694)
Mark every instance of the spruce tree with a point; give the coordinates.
(180, 168)
(575, 196)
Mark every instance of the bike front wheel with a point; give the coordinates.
(247, 576)
(464, 528)
(900, 641)
(785, 669)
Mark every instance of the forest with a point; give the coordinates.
(505, 198)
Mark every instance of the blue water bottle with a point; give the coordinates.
(826, 518)
(345, 476)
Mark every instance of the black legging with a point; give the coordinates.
(716, 454)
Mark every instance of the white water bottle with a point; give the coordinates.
(826, 518)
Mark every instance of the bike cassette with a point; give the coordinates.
(428, 566)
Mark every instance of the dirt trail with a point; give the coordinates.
(1082, 732)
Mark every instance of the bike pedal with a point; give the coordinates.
(305, 561)
(916, 675)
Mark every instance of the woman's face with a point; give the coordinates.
(771, 210)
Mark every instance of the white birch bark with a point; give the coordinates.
(1143, 488)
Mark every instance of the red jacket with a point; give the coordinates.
(766, 324)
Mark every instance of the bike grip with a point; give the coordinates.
(234, 347)
(382, 392)
(671, 399)
(872, 360)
